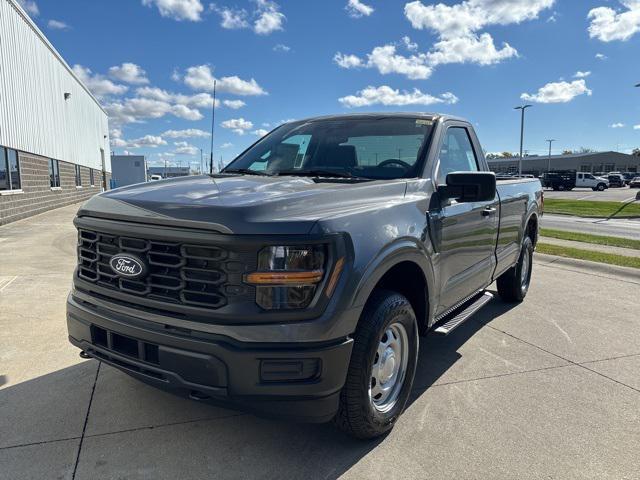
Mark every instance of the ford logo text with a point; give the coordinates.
(128, 265)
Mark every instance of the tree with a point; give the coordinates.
(507, 155)
(636, 152)
(586, 150)
(567, 152)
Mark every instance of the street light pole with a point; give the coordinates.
(213, 122)
(522, 108)
(551, 140)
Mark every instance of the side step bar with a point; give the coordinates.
(461, 317)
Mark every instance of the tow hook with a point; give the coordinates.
(84, 354)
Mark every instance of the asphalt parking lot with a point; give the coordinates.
(624, 194)
(549, 389)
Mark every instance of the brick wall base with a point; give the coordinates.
(37, 196)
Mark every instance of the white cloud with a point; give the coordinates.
(151, 141)
(270, 19)
(200, 77)
(581, 74)
(30, 6)
(601, 56)
(470, 49)
(348, 61)
(138, 109)
(616, 125)
(99, 85)
(233, 19)
(558, 92)
(608, 24)
(129, 73)
(187, 133)
(237, 125)
(409, 45)
(281, 47)
(226, 145)
(386, 60)
(199, 100)
(234, 104)
(266, 16)
(57, 25)
(179, 10)
(457, 27)
(184, 148)
(385, 95)
(636, 127)
(357, 9)
(261, 132)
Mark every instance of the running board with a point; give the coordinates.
(450, 325)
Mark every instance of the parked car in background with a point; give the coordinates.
(635, 182)
(569, 179)
(616, 180)
(628, 176)
(559, 180)
(587, 180)
(154, 178)
(296, 281)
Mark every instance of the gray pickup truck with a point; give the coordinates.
(297, 281)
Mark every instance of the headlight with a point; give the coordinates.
(288, 276)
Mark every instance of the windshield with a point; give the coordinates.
(382, 148)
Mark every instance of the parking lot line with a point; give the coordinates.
(4, 283)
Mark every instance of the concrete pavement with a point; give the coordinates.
(617, 227)
(546, 389)
(625, 194)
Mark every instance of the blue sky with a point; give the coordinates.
(151, 63)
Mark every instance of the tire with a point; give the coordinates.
(513, 284)
(561, 188)
(387, 318)
(601, 187)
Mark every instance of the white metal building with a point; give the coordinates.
(54, 136)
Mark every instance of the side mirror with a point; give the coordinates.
(469, 187)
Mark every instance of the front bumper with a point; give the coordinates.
(293, 380)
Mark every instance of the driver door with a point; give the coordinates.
(465, 233)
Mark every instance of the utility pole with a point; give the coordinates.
(213, 122)
(522, 108)
(201, 163)
(550, 140)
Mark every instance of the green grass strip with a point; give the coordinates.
(569, 252)
(588, 238)
(586, 208)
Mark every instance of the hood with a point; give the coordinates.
(242, 204)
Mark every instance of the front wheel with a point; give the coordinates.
(601, 187)
(513, 284)
(382, 367)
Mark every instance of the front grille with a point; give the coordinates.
(179, 273)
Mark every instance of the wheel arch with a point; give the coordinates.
(411, 265)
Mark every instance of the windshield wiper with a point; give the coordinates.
(316, 173)
(244, 171)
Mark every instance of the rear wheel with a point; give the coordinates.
(513, 284)
(601, 187)
(382, 367)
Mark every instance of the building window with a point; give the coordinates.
(585, 168)
(78, 177)
(609, 167)
(9, 169)
(54, 173)
(91, 177)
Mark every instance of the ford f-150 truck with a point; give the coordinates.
(297, 281)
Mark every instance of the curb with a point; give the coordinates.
(632, 274)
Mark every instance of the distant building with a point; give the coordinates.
(168, 172)
(581, 162)
(128, 169)
(54, 137)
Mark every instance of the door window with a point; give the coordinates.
(456, 154)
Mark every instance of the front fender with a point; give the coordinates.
(402, 250)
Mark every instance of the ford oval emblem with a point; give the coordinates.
(128, 265)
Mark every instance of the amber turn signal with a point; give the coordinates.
(335, 275)
(285, 278)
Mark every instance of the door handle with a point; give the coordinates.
(487, 212)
